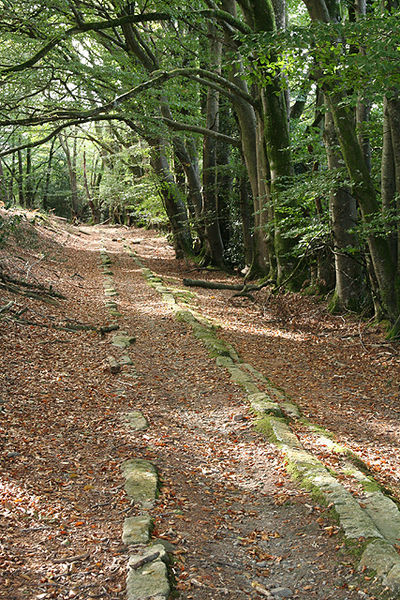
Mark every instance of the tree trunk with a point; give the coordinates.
(28, 179)
(71, 163)
(48, 175)
(3, 185)
(251, 129)
(393, 107)
(388, 179)
(20, 180)
(362, 185)
(260, 16)
(215, 248)
(247, 220)
(92, 206)
(343, 217)
(364, 192)
(173, 200)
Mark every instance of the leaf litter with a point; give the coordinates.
(236, 525)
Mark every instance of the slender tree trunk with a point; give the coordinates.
(247, 220)
(3, 185)
(71, 163)
(93, 208)
(20, 180)
(28, 179)
(48, 175)
(215, 248)
(224, 179)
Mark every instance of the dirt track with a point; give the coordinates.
(233, 518)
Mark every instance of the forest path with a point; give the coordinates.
(236, 525)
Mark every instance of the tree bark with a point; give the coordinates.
(343, 217)
(48, 175)
(173, 200)
(71, 164)
(215, 247)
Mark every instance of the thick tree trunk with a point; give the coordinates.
(364, 191)
(343, 217)
(260, 16)
(173, 200)
(362, 185)
(251, 129)
(393, 107)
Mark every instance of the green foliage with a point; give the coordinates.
(8, 226)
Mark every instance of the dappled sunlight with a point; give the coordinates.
(264, 332)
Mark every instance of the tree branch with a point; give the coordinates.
(81, 28)
(202, 130)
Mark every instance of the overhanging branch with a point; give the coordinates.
(202, 130)
(81, 28)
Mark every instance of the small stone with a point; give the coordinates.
(123, 341)
(113, 365)
(282, 592)
(125, 360)
(12, 454)
(136, 420)
(239, 418)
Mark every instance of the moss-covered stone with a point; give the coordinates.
(136, 530)
(379, 556)
(123, 340)
(135, 420)
(148, 582)
(141, 483)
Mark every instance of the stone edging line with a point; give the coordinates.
(147, 576)
(374, 524)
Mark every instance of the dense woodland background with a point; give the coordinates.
(263, 136)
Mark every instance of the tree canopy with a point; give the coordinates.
(263, 135)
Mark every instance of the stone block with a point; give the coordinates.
(136, 530)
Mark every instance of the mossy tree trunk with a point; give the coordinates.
(173, 200)
(343, 217)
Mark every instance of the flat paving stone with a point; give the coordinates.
(123, 341)
(136, 421)
(141, 481)
(136, 530)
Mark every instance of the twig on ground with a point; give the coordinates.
(71, 559)
(7, 306)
